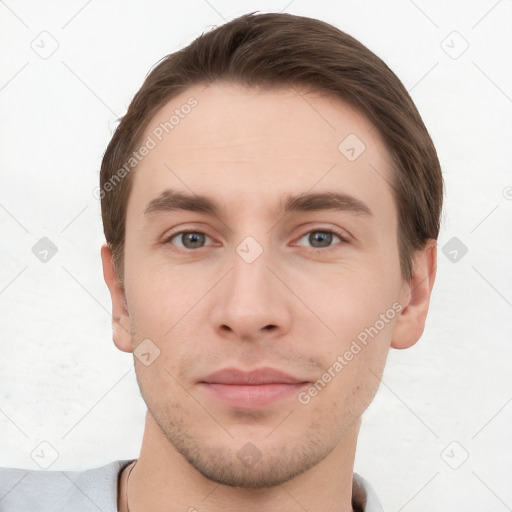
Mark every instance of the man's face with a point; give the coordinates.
(251, 286)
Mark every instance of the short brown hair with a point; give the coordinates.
(277, 50)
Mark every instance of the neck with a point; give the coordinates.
(163, 480)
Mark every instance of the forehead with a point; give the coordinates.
(248, 146)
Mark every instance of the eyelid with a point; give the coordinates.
(167, 239)
(343, 235)
(340, 233)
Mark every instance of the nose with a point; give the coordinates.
(252, 302)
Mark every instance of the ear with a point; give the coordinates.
(415, 298)
(120, 316)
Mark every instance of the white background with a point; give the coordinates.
(62, 381)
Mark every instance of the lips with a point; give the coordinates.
(256, 377)
(251, 390)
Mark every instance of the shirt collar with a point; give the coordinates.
(364, 497)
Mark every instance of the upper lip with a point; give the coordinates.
(248, 378)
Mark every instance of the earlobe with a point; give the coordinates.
(120, 315)
(415, 299)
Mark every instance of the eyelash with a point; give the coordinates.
(340, 234)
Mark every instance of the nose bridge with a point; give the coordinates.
(252, 253)
(250, 277)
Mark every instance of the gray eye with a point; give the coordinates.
(320, 239)
(190, 239)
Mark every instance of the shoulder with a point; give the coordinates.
(364, 497)
(91, 489)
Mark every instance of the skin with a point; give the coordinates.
(206, 310)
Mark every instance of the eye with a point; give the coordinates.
(318, 238)
(321, 238)
(189, 240)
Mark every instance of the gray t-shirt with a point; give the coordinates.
(93, 490)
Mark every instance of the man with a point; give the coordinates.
(271, 203)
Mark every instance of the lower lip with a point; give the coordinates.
(251, 397)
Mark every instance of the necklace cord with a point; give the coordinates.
(126, 492)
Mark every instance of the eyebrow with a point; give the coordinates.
(171, 200)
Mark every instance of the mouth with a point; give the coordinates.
(251, 390)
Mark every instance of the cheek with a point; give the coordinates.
(360, 311)
(348, 300)
(161, 296)
(351, 377)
